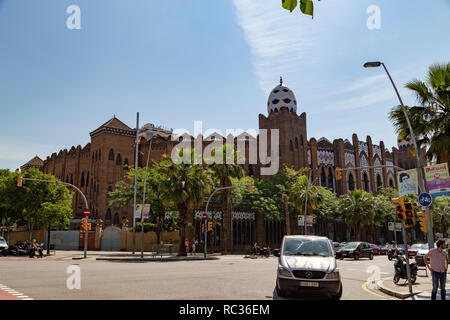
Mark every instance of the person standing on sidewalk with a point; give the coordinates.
(438, 266)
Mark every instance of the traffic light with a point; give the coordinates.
(209, 226)
(84, 224)
(251, 187)
(409, 214)
(422, 216)
(19, 181)
(400, 208)
(339, 173)
(203, 228)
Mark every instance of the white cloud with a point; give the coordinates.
(276, 39)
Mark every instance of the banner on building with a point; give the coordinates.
(137, 214)
(309, 221)
(407, 182)
(301, 221)
(438, 180)
(391, 226)
(146, 211)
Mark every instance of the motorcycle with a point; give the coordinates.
(400, 269)
(18, 249)
(393, 253)
(38, 247)
(258, 251)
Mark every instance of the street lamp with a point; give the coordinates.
(422, 184)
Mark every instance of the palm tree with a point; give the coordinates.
(430, 120)
(357, 210)
(183, 186)
(224, 173)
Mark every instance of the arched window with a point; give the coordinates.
(291, 146)
(391, 183)
(323, 179)
(296, 142)
(116, 219)
(126, 162)
(351, 182)
(99, 154)
(108, 216)
(96, 155)
(330, 180)
(111, 155)
(87, 180)
(379, 183)
(82, 179)
(67, 178)
(250, 170)
(301, 140)
(365, 182)
(119, 159)
(109, 190)
(71, 178)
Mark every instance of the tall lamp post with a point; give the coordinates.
(422, 183)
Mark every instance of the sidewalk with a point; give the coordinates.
(421, 289)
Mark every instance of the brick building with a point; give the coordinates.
(98, 166)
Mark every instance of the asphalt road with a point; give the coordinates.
(230, 277)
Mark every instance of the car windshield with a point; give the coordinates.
(351, 245)
(307, 247)
(2, 241)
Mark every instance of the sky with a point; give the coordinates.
(179, 61)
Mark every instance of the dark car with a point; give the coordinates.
(356, 250)
(337, 249)
(375, 249)
(307, 266)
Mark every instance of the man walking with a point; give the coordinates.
(438, 266)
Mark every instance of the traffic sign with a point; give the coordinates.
(425, 199)
(205, 217)
(86, 212)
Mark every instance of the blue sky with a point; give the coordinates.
(216, 61)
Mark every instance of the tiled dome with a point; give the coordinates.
(281, 96)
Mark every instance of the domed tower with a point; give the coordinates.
(282, 114)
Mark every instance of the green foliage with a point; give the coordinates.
(431, 119)
(306, 6)
(441, 213)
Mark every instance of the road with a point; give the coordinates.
(231, 277)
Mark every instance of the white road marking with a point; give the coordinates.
(14, 292)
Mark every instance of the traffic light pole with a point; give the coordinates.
(408, 269)
(206, 211)
(82, 195)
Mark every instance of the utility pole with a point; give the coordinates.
(135, 181)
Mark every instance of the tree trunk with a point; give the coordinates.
(48, 240)
(158, 234)
(358, 232)
(182, 209)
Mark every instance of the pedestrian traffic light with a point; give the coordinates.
(19, 181)
(203, 228)
(400, 208)
(422, 217)
(251, 187)
(409, 214)
(84, 224)
(209, 226)
(89, 226)
(338, 173)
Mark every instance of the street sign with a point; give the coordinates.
(391, 226)
(205, 217)
(137, 214)
(146, 211)
(309, 221)
(86, 212)
(398, 227)
(425, 199)
(301, 221)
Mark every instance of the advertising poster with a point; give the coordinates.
(137, 214)
(438, 180)
(407, 182)
(309, 221)
(146, 211)
(301, 221)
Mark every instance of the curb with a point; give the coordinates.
(156, 259)
(397, 294)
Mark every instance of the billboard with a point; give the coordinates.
(438, 180)
(407, 182)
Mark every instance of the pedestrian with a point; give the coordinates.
(193, 246)
(438, 266)
(186, 243)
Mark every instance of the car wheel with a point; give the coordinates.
(389, 257)
(338, 295)
(356, 257)
(396, 278)
(342, 258)
(371, 256)
(280, 293)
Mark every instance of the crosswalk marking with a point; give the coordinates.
(14, 293)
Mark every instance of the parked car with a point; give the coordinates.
(307, 265)
(375, 249)
(3, 246)
(383, 250)
(356, 250)
(423, 250)
(337, 249)
(412, 251)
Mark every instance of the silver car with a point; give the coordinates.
(3, 246)
(307, 265)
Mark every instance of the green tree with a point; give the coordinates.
(441, 213)
(183, 186)
(431, 119)
(306, 6)
(224, 172)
